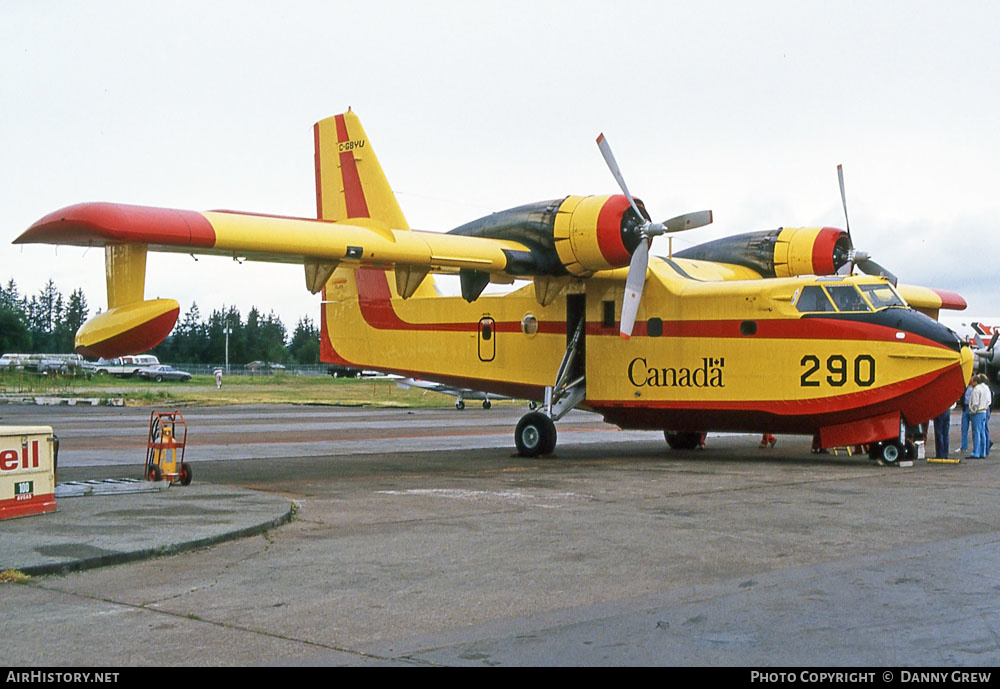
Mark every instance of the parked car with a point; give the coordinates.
(161, 373)
(44, 364)
(123, 366)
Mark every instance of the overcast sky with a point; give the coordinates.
(742, 107)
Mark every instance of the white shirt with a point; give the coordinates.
(981, 398)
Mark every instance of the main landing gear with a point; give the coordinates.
(535, 435)
(536, 431)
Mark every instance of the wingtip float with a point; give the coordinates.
(767, 331)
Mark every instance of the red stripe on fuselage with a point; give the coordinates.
(376, 308)
(375, 301)
(354, 193)
(780, 328)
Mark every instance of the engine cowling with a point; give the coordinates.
(596, 233)
(784, 252)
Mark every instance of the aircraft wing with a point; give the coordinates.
(930, 301)
(270, 238)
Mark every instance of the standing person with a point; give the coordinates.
(966, 416)
(979, 404)
(218, 378)
(989, 406)
(942, 431)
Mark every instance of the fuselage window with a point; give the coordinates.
(608, 314)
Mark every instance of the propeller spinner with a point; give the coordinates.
(639, 263)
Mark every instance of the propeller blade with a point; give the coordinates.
(634, 283)
(609, 158)
(688, 221)
(843, 199)
(870, 267)
(993, 341)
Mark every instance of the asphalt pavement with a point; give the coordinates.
(440, 546)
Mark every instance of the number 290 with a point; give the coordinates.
(838, 371)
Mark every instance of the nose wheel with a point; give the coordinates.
(535, 435)
(892, 451)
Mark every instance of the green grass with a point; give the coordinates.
(200, 390)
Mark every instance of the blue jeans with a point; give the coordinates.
(979, 441)
(966, 422)
(986, 430)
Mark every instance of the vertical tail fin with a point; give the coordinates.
(350, 183)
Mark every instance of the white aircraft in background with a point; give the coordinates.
(981, 334)
(461, 393)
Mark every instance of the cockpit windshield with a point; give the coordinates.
(847, 298)
(882, 295)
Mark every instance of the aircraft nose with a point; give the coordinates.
(967, 362)
(916, 323)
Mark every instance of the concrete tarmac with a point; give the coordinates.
(420, 538)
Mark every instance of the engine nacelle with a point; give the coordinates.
(595, 233)
(779, 253)
(578, 234)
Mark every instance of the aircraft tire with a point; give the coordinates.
(682, 441)
(487, 404)
(890, 452)
(535, 435)
(460, 405)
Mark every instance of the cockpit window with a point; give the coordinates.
(882, 295)
(813, 298)
(847, 298)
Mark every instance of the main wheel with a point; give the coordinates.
(535, 435)
(460, 405)
(487, 404)
(682, 441)
(185, 474)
